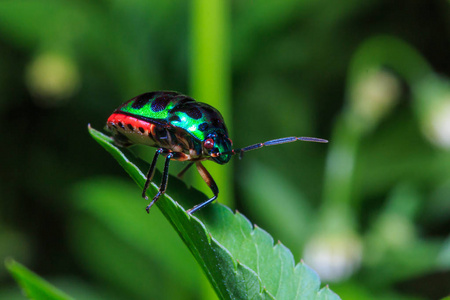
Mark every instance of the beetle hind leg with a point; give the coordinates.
(121, 140)
(210, 182)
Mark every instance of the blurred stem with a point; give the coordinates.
(341, 162)
(376, 53)
(385, 51)
(339, 172)
(210, 76)
(211, 83)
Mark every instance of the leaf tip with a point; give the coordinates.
(9, 262)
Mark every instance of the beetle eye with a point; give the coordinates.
(209, 144)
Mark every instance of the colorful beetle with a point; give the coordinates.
(182, 129)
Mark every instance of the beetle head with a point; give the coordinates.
(218, 146)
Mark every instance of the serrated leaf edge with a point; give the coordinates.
(210, 239)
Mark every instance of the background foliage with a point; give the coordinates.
(370, 211)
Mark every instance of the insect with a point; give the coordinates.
(182, 129)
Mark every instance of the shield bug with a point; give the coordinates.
(182, 129)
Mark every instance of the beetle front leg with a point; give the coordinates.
(151, 172)
(165, 175)
(210, 182)
(165, 178)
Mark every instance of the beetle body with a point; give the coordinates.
(182, 129)
(172, 121)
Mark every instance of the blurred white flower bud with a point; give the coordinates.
(335, 256)
(52, 78)
(372, 96)
(443, 259)
(438, 128)
(391, 231)
(432, 104)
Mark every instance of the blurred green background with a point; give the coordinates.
(370, 211)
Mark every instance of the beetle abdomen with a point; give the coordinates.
(135, 131)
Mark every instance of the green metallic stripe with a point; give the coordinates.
(146, 111)
(160, 122)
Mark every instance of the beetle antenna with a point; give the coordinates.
(285, 140)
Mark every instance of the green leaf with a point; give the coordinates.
(239, 259)
(34, 286)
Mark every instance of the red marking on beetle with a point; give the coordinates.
(115, 118)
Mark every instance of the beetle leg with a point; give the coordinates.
(151, 172)
(210, 182)
(181, 174)
(165, 178)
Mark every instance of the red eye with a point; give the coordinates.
(209, 144)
